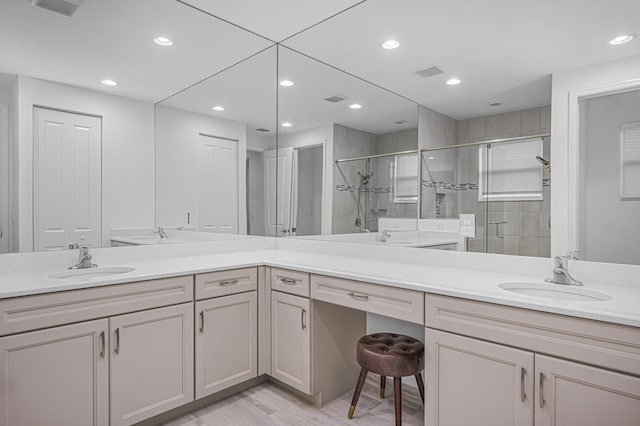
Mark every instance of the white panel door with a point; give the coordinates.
(226, 342)
(55, 377)
(574, 394)
(277, 180)
(472, 382)
(67, 179)
(218, 185)
(151, 362)
(291, 340)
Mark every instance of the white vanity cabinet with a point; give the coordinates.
(514, 375)
(291, 340)
(151, 362)
(226, 336)
(57, 377)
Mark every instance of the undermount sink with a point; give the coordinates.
(93, 272)
(555, 291)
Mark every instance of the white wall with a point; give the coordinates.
(127, 154)
(567, 87)
(177, 156)
(318, 135)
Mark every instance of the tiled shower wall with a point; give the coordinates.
(527, 229)
(351, 143)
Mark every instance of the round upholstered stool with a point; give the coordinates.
(393, 355)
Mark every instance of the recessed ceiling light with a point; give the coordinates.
(108, 82)
(286, 124)
(355, 106)
(286, 83)
(390, 44)
(622, 39)
(163, 41)
(218, 108)
(431, 158)
(453, 81)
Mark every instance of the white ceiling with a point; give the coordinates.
(503, 50)
(273, 19)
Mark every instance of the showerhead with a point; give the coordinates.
(543, 161)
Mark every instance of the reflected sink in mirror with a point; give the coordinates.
(93, 272)
(555, 291)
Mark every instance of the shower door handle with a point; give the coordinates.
(497, 224)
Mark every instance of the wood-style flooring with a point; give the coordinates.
(268, 404)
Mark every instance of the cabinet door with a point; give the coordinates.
(575, 394)
(226, 342)
(472, 382)
(291, 340)
(151, 362)
(55, 377)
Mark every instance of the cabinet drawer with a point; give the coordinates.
(288, 281)
(223, 283)
(607, 345)
(46, 310)
(402, 304)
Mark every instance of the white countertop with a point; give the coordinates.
(393, 266)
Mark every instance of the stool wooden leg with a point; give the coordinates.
(383, 384)
(397, 395)
(420, 386)
(356, 393)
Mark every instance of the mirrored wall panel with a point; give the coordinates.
(78, 93)
(214, 145)
(348, 152)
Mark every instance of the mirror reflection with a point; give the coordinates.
(214, 142)
(348, 149)
(77, 99)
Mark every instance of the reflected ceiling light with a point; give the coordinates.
(108, 82)
(286, 124)
(286, 83)
(454, 81)
(431, 158)
(355, 106)
(218, 108)
(622, 39)
(163, 41)
(390, 44)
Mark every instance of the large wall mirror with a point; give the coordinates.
(324, 134)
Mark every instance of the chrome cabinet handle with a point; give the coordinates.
(358, 296)
(229, 282)
(302, 319)
(103, 344)
(541, 391)
(201, 321)
(289, 281)
(523, 395)
(116, 347)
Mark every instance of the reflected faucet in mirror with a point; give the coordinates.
(161, 232)
(561, 273)
(84, 257)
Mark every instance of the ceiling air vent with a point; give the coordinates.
(262, 130)
(429, 72)
(62, 7)
(336, 98)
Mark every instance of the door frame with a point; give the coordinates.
(4, 179)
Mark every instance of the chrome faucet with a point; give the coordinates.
(384, 237)
(84, 257)
(160, 231)
(561, 273)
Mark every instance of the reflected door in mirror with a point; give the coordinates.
(67, 179)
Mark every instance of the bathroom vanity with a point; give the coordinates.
(182, 329)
